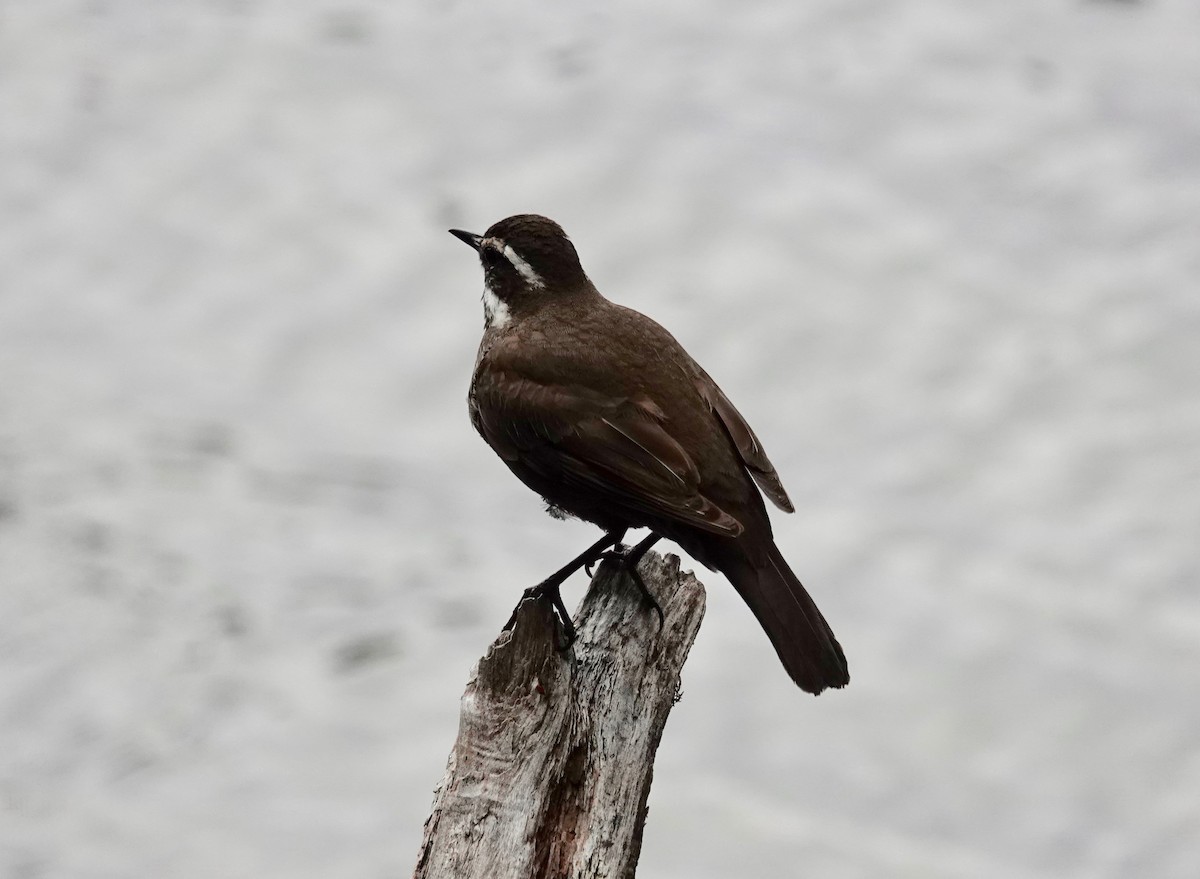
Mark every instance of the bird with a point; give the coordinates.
(598, 409)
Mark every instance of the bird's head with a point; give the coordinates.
(526, 258)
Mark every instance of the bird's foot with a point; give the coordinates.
(548, 589)
(628, 558)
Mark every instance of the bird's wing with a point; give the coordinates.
(617, 449)
(746, 443)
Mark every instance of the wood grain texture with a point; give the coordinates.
(552, 766)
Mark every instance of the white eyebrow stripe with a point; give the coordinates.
(524, 269)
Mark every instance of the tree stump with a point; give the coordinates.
(555, 752)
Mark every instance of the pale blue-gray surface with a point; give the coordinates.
(944, 256)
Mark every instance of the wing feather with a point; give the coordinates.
(618, 449)
(747, 444)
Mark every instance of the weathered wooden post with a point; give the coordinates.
(555, 753)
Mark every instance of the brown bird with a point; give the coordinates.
(600, 411)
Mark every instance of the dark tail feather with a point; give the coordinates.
(806, 645)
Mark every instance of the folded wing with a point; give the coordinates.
(747, 444)
(616, 448)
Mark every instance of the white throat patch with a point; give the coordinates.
(495, 312)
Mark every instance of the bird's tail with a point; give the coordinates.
(806, 645)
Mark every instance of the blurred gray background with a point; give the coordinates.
(944, 257)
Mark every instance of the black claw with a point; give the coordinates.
(548, 590)
(569, 636)
(564, 618)
(647, 596)
(628, 558)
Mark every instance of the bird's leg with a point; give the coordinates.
(629, 561)
(550, 586)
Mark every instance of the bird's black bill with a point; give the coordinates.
(468, 237)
